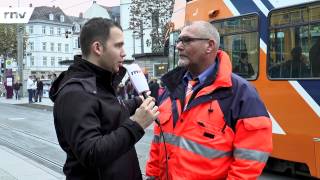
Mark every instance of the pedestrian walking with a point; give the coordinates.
(30, 86)
(16, 88)
(39, 90)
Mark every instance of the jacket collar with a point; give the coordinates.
(221, 78)
(101, 74)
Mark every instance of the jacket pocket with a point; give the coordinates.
(256, 123)
(164, 117)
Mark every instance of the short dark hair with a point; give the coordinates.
(96, 29)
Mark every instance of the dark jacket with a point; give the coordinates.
(39, 85)
(154, 88)
(92, 126)
(16, 86)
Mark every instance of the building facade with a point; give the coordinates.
(50, 41)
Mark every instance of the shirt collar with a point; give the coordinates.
(202, 77)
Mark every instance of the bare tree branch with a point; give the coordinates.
(154, 15)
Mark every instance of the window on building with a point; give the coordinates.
(76, 28)
(76, 43)
(30, 29)
(51, 17)
(31, 60)
(239, 37)
(31, 45)
(52, 47)
(61, 18)
(59, 60)
(44, 46)
(67, 59)
(51, 31)
(293, 51)
(44, 63)
(58, 30)
(59, 47)
(43, 29)
(52, 61)
(66, 46)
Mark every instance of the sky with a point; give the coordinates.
(70, 7)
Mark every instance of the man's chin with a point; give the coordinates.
(183, 62)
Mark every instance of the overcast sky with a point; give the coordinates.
(70, 7)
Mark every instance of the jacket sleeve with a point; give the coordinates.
(79, 125)
(152, 167)
(253, 140)
(132, 104)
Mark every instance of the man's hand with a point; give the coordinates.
(146, 113)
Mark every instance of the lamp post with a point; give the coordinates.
(20, 53)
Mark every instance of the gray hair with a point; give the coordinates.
(207, 30)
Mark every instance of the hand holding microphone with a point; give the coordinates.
(148, 111)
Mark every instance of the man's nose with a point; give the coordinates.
(123, 53)
(179, 46)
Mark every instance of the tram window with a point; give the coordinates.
(294, 48)
(239, 38)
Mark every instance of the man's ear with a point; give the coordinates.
(96, 48)
(211, 46)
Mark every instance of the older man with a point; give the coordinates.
(213, 121)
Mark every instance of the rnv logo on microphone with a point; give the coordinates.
(135, 72)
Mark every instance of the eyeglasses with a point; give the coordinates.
(186, 40)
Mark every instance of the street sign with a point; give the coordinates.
(9, 64)
(16, 15)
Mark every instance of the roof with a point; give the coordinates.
(79, 20)
(42, 13)
(113, 11)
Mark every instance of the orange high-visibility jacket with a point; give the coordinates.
(224, 133)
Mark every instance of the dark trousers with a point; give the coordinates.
(17, 94)
(39, 94)
(30, 93)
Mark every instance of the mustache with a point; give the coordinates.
(182, 55)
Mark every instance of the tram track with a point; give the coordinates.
(19, 145)
(28, 134)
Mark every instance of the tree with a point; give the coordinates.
(151, 14)
(8, 40)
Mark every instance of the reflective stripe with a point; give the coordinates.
(192, 146)
(156, 139)
(249, 154)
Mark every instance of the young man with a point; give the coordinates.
(30, 85)
(16, 88)
(213, 121)
(93, 127)
(39, 90)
